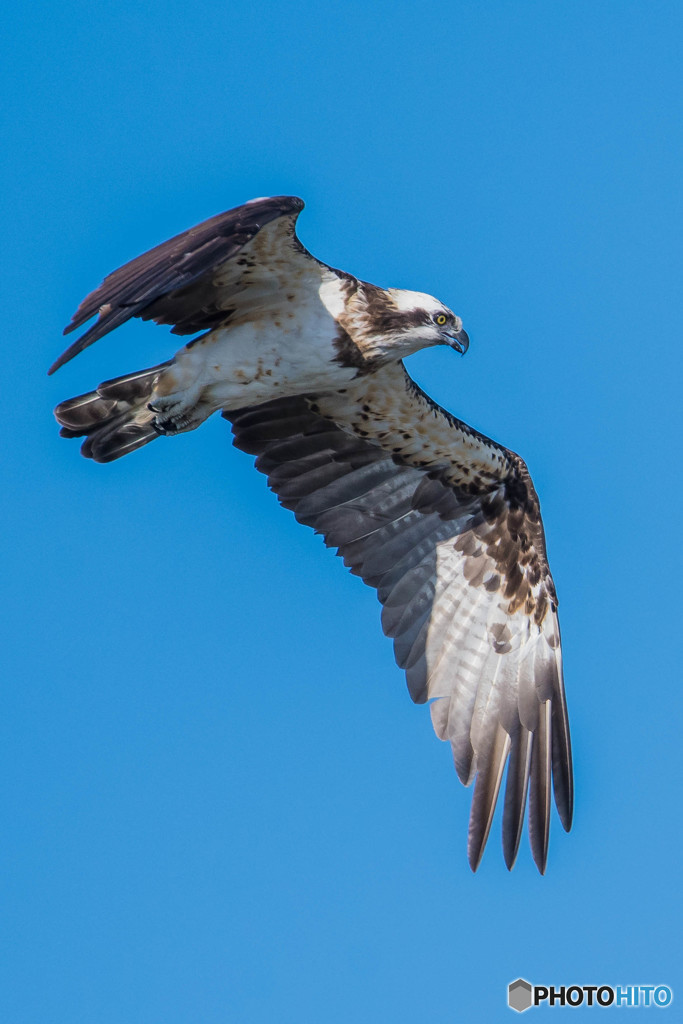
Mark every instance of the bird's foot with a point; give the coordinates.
(177, 412)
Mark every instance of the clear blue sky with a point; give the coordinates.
(219, 803)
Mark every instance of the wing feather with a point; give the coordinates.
(486, 790)
(180, 282)
(516, 787)
(539, 788)
(466, 594)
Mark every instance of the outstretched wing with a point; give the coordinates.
(467, 596)
(202, 277)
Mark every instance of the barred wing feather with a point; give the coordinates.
(447, 567)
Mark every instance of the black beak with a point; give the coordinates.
(459, 340)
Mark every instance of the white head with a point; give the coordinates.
(409, 321)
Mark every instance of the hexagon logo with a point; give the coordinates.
(519, 995)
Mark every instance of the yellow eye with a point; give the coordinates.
(441, 319)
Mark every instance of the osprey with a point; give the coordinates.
(306, 363)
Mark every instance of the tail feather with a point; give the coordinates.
(114, 419)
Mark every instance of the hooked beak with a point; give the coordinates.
(459, 340)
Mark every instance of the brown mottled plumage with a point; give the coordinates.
(306, 362)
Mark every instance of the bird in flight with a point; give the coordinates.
(306, 363)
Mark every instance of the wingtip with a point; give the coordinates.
(510, 854)
(564, 802)
(69, 352)
(516, 789)
(539, 849)
(540, 788)
(77, 346)
(64, 358)
(475, 854)
(540, 858)
(485, 797)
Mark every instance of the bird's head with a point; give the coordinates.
(402, 322)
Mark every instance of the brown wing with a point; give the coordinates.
(179, 282)
(467, 597)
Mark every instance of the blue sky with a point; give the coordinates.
(219, 803)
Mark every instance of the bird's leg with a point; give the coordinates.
(178, 396)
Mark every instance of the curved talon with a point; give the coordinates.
(166, 426)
